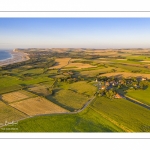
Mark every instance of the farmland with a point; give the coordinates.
(7, 113)
(16, 96)
(77, 90)
(36, 106)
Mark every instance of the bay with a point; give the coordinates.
(5, 54)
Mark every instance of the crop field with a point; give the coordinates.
(86, 121)
(16, 96)
(93, 73)
(60, 62)
(73, 90)
(140, 95)
(7, 113)
(79, 65)
(36, 106)
(69, 99)
(126, 74)
(121, 111)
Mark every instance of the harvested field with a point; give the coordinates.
(60, 62)
(38, 105)
(16, 96)
(7, 113)
(126, 74)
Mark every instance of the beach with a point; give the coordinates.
(16, 57)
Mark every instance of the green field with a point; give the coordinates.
(103, 115)
(82, 87)
(127, 114)
(69, 99)
(72, 88)
(87, 121)
(140, 95)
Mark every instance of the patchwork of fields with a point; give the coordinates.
(53, 92)
(36, 106)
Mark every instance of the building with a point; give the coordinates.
(118, 96)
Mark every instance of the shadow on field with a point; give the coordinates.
(54, 100)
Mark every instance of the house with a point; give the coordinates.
(143, 79)
(107, 83)
(118, 96)
(103, 87)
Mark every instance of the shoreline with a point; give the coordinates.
(15, 57)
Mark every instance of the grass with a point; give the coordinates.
(69, 99)
(33, 71)
(81, 87)
(140, 95)
(125, 113)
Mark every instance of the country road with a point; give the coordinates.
(75, 112)
(137, 102)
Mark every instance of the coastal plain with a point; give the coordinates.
(75, 90)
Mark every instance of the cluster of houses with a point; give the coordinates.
(110, 84)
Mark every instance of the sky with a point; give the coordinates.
(98, 33)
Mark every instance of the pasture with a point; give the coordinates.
(37, 106)
(69, 99)
(81, 87)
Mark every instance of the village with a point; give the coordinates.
(115, 87)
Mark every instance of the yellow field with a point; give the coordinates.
(16, 96)
(60, 62)
(38, 105)
(8, 114)
(125, 74)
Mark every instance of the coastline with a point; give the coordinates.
(16, 57)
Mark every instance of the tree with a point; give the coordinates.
(51, 92)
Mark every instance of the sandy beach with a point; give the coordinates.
(16, 57)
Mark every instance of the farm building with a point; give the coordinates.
(118, 96)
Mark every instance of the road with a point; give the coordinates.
(137, 102)
(75, 112)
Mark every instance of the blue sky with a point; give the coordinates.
(74, 33)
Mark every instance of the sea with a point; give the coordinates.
(5, 54)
